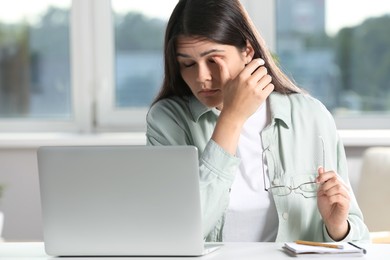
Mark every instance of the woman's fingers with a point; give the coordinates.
(245, 92)
(331, 185)
(223, 69)
(252, 67)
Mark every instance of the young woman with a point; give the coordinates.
(261, 140)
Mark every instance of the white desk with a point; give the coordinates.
(229, 251)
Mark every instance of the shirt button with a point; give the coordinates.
(276, 182)
(285, 215)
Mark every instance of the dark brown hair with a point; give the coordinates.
(221, 21)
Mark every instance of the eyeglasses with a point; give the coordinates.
(308, 189)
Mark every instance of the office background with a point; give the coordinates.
(84, 73)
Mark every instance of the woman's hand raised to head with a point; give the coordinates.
(244, 94)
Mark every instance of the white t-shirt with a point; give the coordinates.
(251, 215)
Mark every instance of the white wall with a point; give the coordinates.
(263, 16)
(21, 201)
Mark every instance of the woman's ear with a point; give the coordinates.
(249, 52)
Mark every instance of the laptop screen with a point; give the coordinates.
(120, 200)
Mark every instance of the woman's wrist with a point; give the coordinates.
(340, 232)
(227, 132)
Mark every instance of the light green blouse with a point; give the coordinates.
(293, 153)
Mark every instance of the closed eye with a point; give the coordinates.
(188, 65)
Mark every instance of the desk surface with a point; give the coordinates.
(229, 251)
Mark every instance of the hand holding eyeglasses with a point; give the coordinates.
(333, 203)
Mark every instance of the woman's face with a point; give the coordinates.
(200, 71)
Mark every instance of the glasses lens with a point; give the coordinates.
(309, 187)
(280, 190)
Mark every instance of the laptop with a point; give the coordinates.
(121, 201)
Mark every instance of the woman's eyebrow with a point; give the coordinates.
(210, 51)
(201, 55)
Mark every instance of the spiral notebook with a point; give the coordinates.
(296, 249)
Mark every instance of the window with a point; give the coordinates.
(340, 52)
(34, 68)
(94, 66)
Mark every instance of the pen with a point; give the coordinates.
(363, 250)
(311, 243)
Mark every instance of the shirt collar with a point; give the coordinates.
(197, 108)
(280, 108)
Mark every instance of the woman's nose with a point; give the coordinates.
(204, 73)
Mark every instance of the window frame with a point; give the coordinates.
(108, 117)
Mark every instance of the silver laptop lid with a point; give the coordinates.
(120, 200)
